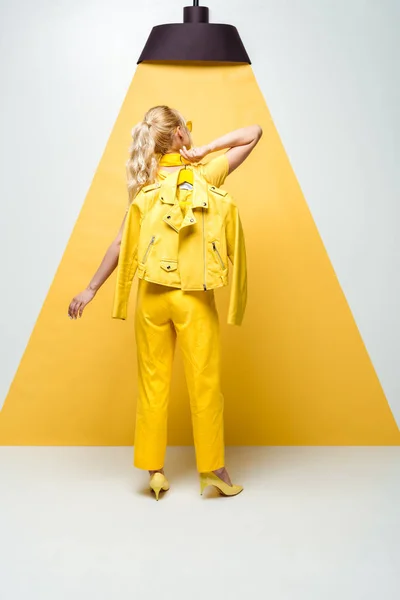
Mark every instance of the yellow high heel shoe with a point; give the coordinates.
(158, 482)
(210, 478)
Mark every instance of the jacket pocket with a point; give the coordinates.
(217, 254)
(146, 254)
(169, 265)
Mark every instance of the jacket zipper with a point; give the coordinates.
(218, 254)
(148, 248)
(204, 252)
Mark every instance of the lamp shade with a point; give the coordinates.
(195, 40)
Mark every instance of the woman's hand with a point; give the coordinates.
(79, 302)
(196, 153)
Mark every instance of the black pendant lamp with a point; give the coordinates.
(194, 40)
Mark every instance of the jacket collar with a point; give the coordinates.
(200, 189)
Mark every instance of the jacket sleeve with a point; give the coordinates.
(127, 261)
(237, 255)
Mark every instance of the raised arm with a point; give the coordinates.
(239, 141)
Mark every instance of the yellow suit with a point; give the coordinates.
(174, 250)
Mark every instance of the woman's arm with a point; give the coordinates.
(107, 266)
(239, 141)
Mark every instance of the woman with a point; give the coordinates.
(161, 144)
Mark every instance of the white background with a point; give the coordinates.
(329, 72)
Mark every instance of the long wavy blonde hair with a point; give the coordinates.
(151, 138)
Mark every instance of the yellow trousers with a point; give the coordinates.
(162, 315)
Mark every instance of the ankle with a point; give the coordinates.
(219, 471)
(156, 471)
(223, 474)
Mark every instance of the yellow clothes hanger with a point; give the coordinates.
(174, 159)
(185, 175)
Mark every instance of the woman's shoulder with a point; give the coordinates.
(215, 170)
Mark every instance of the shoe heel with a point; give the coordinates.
(203, 484)
(158, 483)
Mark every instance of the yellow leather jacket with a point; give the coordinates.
(188, 251)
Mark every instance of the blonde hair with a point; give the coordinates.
(151, 138)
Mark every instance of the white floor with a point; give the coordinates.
(313, 523)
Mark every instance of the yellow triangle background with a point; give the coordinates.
(296, 372)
